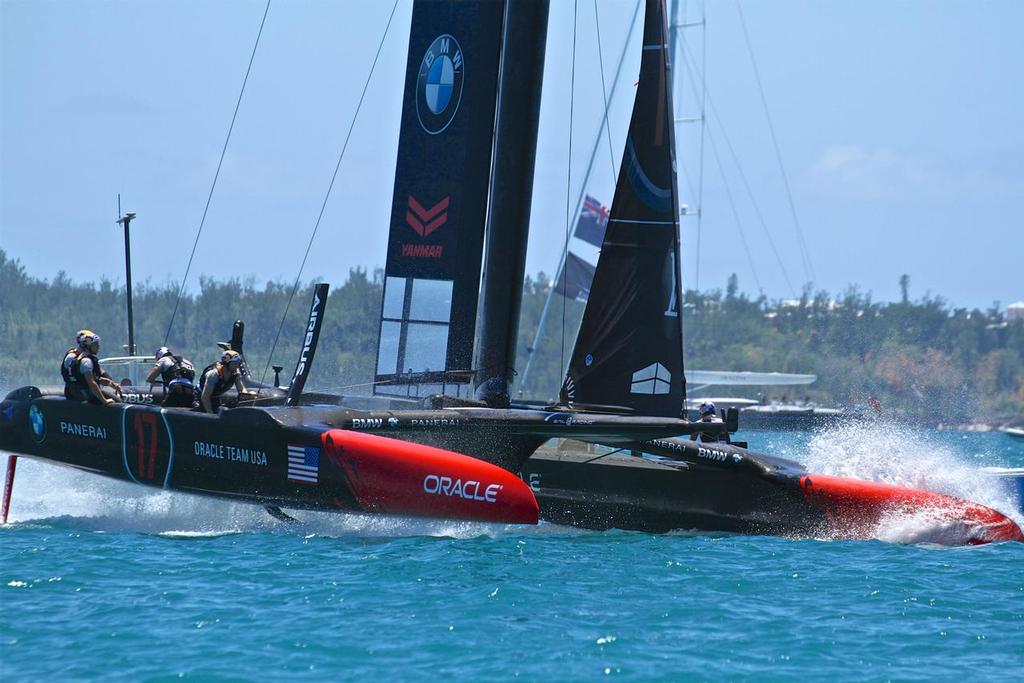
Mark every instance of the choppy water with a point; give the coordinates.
(100, 579)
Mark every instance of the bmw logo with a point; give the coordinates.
(588, 360)
(35, 417)
(439, 85)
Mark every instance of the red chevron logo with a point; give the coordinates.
(426, 221)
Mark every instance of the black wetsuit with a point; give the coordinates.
(178, 389)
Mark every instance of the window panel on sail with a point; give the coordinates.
(425, 348)
(387, 351)
(431, 300)
(394, 297)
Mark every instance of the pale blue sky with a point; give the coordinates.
(899, 123)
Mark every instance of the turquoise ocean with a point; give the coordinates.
(101, 580)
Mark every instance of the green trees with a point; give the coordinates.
(921, 357)
(40, 320)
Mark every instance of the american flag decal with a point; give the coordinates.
(303, 463)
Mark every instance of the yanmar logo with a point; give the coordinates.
(455, 488)
(425, 221)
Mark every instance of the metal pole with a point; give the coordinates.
(126, 219)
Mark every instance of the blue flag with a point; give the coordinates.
(574, 279)
(593, 222)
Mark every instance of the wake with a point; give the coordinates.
(50, 495)
(894, 454)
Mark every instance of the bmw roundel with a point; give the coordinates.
(35, 418)
(439, 85)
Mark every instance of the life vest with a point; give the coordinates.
(76, 368)
(181, 372)
(223, 383)
(65, 367)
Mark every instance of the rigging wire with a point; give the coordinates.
(743, 177)
(703, 134)
(804, 253)
(583, 187)
(568, 183)
(330, 187)
(209, 197)
(604, 92)
(677, 26)
(735, 213)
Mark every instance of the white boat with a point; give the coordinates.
(1012, 478)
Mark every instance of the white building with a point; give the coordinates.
(1015, 311)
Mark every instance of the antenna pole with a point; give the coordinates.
(126, 219)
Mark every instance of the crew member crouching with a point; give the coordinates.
(216, 379)
(82, 373)
(708, 413)
(177, 374)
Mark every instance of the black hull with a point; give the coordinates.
(239, 455)
(249, 454)
(458, 463)
(754, 495)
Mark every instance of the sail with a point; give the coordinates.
(629, 352)
(432, 272)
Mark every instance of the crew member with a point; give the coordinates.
(71, 389)
(177, 374)
(82, 373)
(218, 378)
(708, 413)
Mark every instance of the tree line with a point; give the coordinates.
(922, 358)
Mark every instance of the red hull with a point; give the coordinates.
(396, 477)
(854, 508)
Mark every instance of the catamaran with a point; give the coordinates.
(442, 437)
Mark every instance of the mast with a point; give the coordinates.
(508, 221)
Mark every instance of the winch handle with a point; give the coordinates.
(732, 420)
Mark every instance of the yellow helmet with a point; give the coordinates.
(231, 358)
(88, 340)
